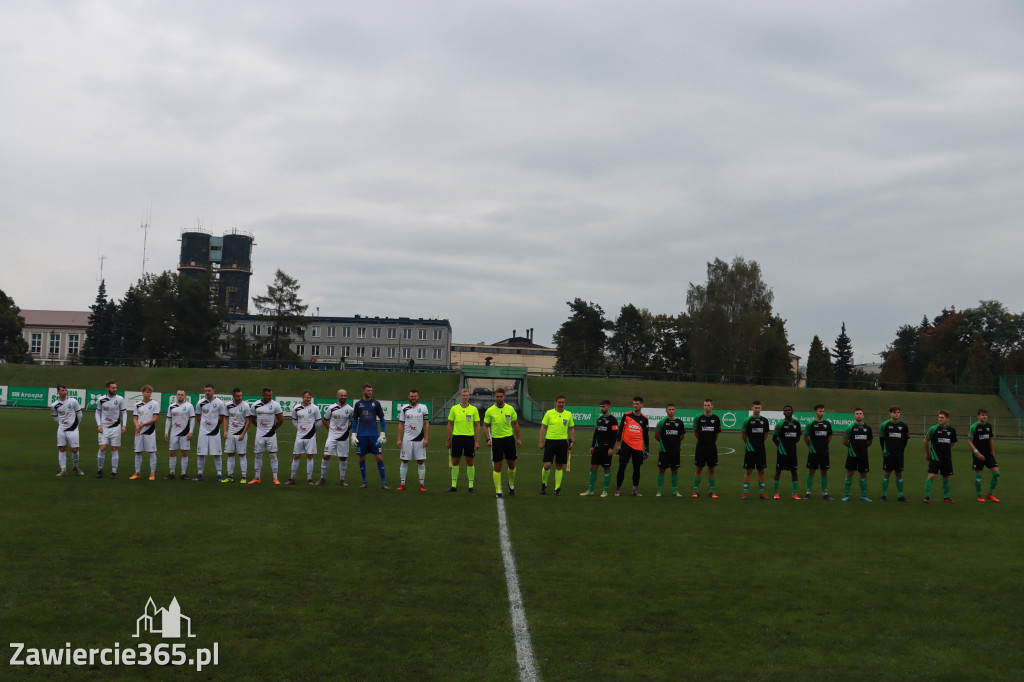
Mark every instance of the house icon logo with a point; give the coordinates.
(167, 623)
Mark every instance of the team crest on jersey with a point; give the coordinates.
(508, 418)
(565, 422)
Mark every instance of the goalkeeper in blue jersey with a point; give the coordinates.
(369, 438)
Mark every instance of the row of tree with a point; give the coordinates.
(13, 347)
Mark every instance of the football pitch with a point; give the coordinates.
(303, 582)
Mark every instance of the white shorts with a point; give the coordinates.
(111, 436)
(413, 449)
(233, 446)
(145, 443)
(304, 446)
(208, 445)
(337, 447)
(180, 443)
(265, 444)
(67, 439)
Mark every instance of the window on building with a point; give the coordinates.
(256, 330)
(300, 348)
(376, 332)
(314, 331)
(330, 350)
(438, 334)
(225, 347)
(346, 351)
(360, 332)
(438, 354)
(360, 351)
(375, 352)
(421, 353)
(406, 353)
(406, 333)
(392, 332)
(422, 334)
(391, 352)
(346, 332)
(331, 331)
(54, 343)
(36, 343)
(314, 350)
(73, 341)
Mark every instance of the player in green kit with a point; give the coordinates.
(669, 434)
(754, 433)
(463, 439)
(557, 436)
(786, 437)
(893, 435)
(938, 451)
(857, 439)
(706, 427)
(983, 454)
(817, 436)
(501, 430)
(602, 447)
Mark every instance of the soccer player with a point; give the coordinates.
(557, 436)
(305, 417)
(236, 437)
(669, 434)
(706, 427)
(817, 436)
(857, 440)
(938, 451)
(178, 432)
(463, 439)
(633, 445)
(983, 454)
(501, 431)
(67, 412)
(893, 434)
(337, 419)
(145, 416)
(786, 437)
(268, 416)
(414, 427)
(111, 421)
(368, 414)
(754, 433)
(211, 416)
(602, 448)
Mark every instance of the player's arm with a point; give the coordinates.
(135, 421)
(927, 449)
(426, 432)
(401, 430)
(99, 419)
(188, 422)
(647, 438)
(871, 437)
(380, 418)
(543, 432)
(124, 420)
(245, 428)
(451, 425)
(279, 419)
(53, 413)
(743, 433)
(657, 431)
(974, 445)
(593, 442)
(476, 433)
(167, 427)
(515, 430)
(487, 430)
(572, 436)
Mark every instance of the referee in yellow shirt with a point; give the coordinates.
(500, 423)
(463, 439)
(557, 436)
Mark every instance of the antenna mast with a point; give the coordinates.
(101, 258)
(145, 238)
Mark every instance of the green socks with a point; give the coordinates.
(846, 486)
(885, 486)
(746, 487)
(471, 472)
(977, 483)
(899, 487)
(794, 487)
(945, 488)
(928, 487)
(824, 484)
(696, 484)
(511, 478)
(810, 483)
(760, 487)
(455, 477)
(593, 480)
(607, 480)
(497, 481)
(675, 482)
(544, 474)
(711, 482)
(863, 486)
(661, 481)
(558, 478)
(776, 485)
(992, 484)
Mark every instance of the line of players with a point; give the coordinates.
(629, 439)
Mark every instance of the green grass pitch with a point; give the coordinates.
(306, 583)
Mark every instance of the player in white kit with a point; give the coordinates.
(211, 416)
(178, 432)
(145, 416)
(337, 419)
(236, 438)
(111, 420)
(306, 417)
(413, 434)
(268, 416)
(67, 412)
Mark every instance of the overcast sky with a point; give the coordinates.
(486, 162)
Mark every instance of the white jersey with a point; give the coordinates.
(209, 413)
(179, 419)
(146, 411)
(306, 418)
(413, 417)
(266, 417)
(238, 415)
(67, 414)
(110, 411)
(340, 417)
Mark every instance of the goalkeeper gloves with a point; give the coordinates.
(381, 439)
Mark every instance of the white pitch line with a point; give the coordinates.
(528, 671)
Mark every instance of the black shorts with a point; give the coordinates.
(503, 448)
(786, 462)
(754, 460)
(942, 466)
(858, 463)
(668, 460)
(892, 462)
(818, 460)
(462, 446)
(978, 465)
(706, 455)
(556, 451)
(602, 456)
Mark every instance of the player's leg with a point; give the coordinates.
(711, 477)
(748, 469)
(456, 458)
(863, 469)
(698, 473)
(561, 457)
(661, 479)
(62, 460)
(593, 479)
(403, 470)
(185, 448)
(421, 471)
(258, 448)
(273, 461)
(761, 480)
(114, 460)
(775, 481)
(945, 488)
(496, 460)
(638, 460)
(471, 472)
(675, 480)
(886, 475)
(899, 485)
(511, 460)
(296, 457)
(545, 472)
(620, 475)
(932, 470)
(101, 457)
(848, 483)
(380, 468)
(992, 483)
